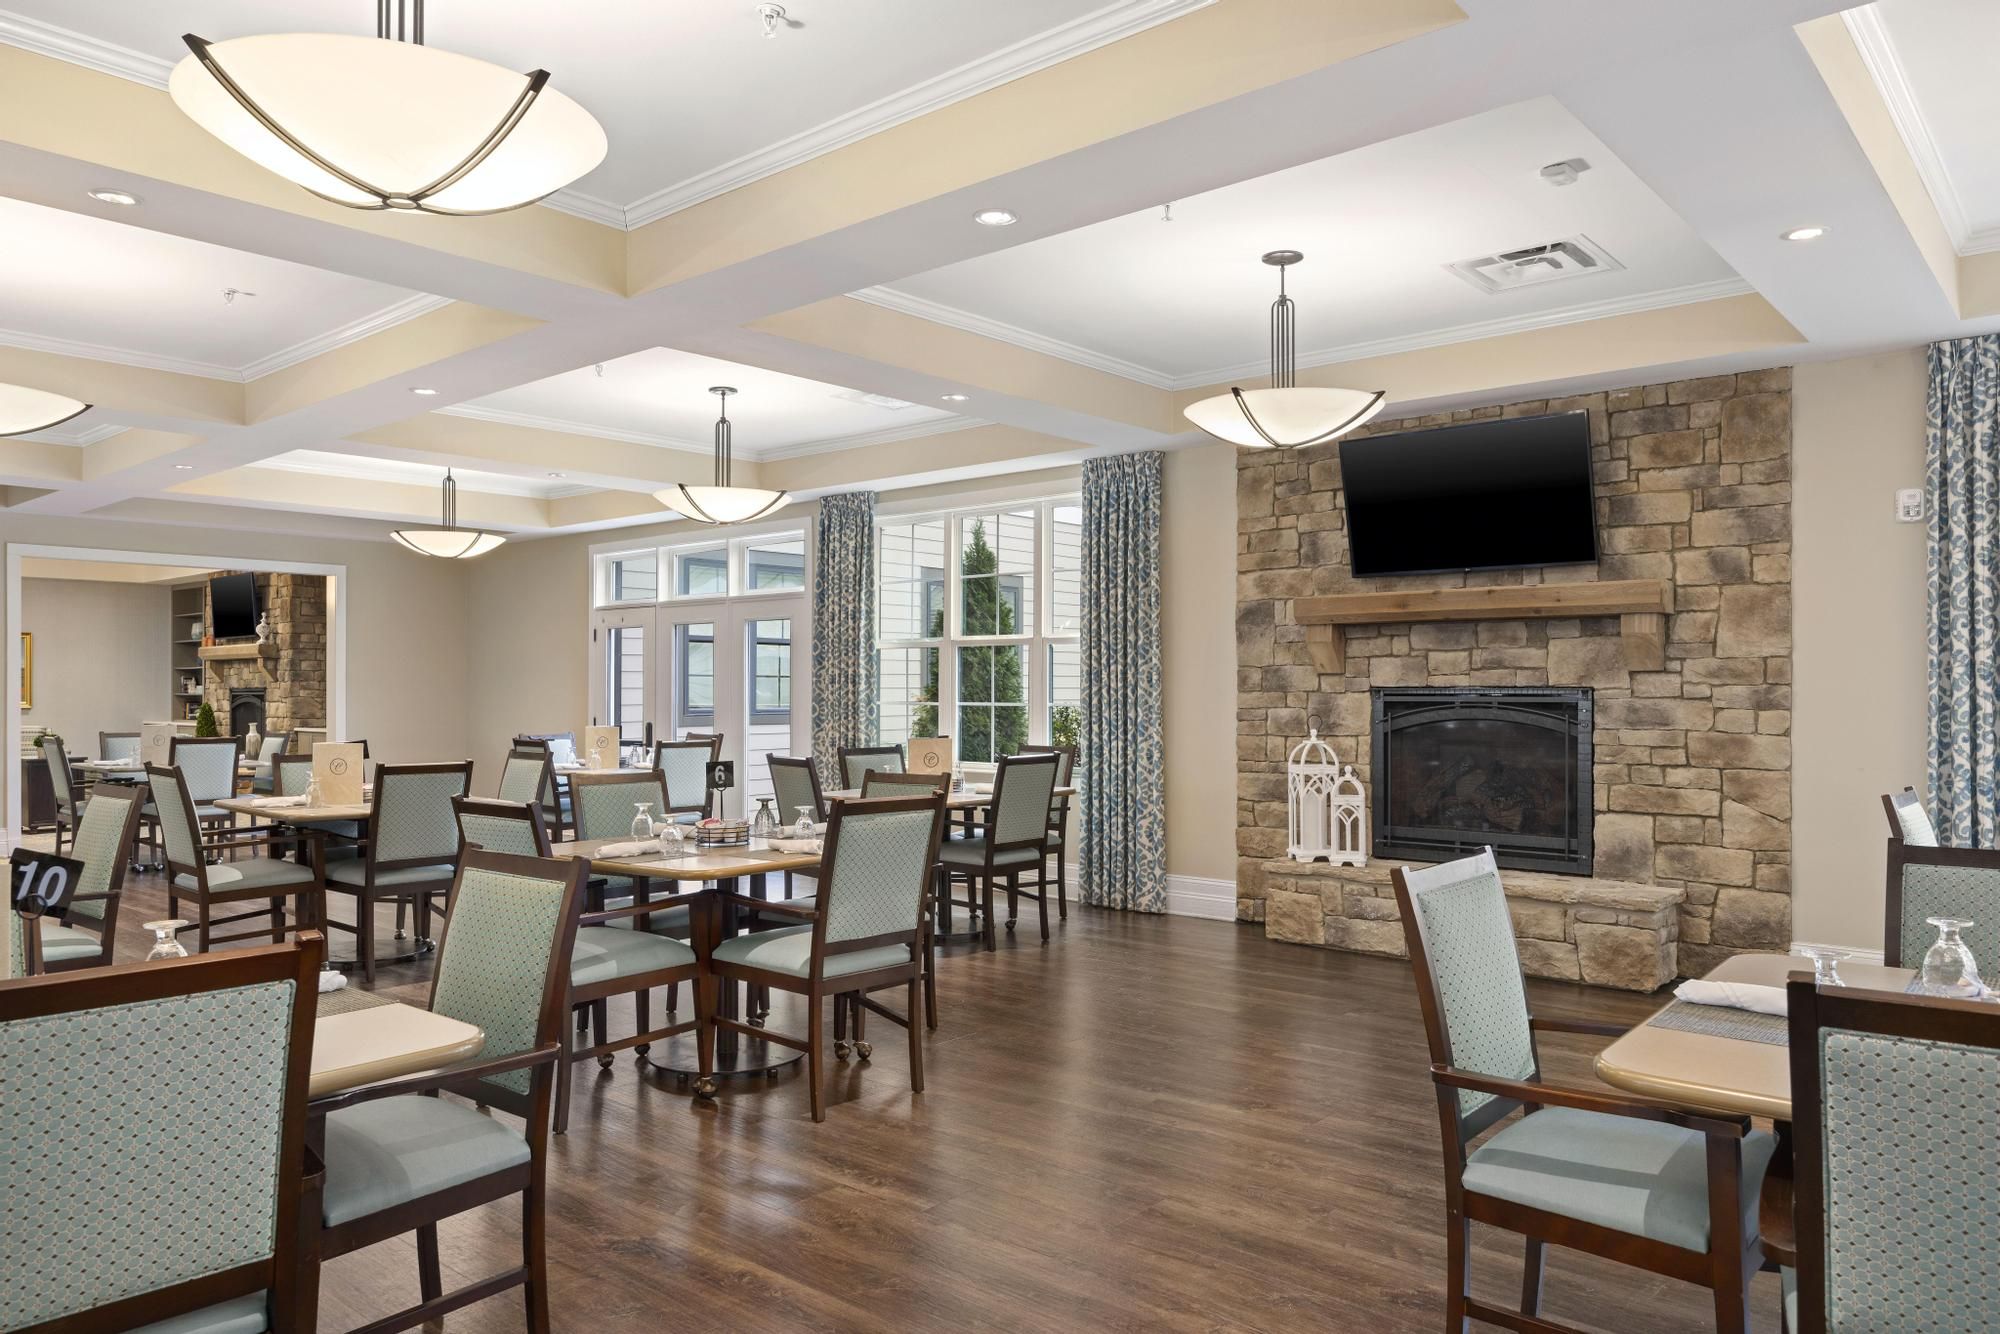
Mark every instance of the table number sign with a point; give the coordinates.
(156, 742)
(337, 766)
(930, 755)
(600, 747)
(721, 775)
(43, 883)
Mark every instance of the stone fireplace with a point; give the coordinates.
(246, 710)
(283, 684)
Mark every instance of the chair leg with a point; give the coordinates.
(1531, 1278)
(600, 1019)
(815, 1083)
(401, 908)
(986, 909)
(930, 979)
(429, 1282)
(559, 1122)
(1013, 898)
(1458, 1272)
(840, 1027)
(707, 990)
(201, 939)
(534, 1252)
(916, 1043)
(277, 921)
(364, 933)
(642, 1015)
(1062, 887)
(673, 997)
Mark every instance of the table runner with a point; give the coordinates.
(1717, 1021)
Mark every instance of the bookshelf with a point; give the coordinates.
(186, 627)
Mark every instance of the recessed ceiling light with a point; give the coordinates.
(954, 398)
(1804, 234)
(558, 474)
(123, 198)
(427, 393)
(183, 467)
(994, 217)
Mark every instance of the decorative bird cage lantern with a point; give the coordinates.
(1327, 807)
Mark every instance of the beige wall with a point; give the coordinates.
(1198, 656)
(1858, 588)
(102, 663)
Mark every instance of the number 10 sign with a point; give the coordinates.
(43, 883)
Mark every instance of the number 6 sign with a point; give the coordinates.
(43, 882)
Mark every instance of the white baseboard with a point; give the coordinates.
(1799, 947)
(1188, 896)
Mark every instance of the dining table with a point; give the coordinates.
(969, 797)
(362, 1038)
(343, 955)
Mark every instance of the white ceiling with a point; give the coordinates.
(694, 98)
(1186, 302)
(84, 285)
(660, 397)
(327, 464)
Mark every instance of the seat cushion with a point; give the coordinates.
(1788, 1281)
(62, 943)
(394, 1150)
(356, 873)
(789, 950)
(606, 952)
(255, 873)
(243, 1315)
(1641, 1177)
(972, 852)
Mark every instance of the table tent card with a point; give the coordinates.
(930, 755)
(156, 741)
(600, 747)
(338, 766)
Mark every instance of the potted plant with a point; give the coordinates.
(204, 720)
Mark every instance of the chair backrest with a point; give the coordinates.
(180, 830)
(1894, 1103)
(503, 963)
(1461, 942)
(59, 774)
(1909, 822)
(878, 783)
(512, 827)
(271, 747)
(413, 821)
(856, 761)
(1065, 761)
(290, 773)
(104, 837)
(560, 745)
(108, 1225)
(1940, 882)
(603, 804)
(1023, 787)
(683, 766)
(795, 783)
(527, 775)
(117, 745)
(876, 871)
(208, 763)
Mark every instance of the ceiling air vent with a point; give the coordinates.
(1537, 265)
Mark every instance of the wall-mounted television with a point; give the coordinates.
(232, 606)
(1484, 495)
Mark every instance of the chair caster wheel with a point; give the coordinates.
(680, 1081)
(864, 1049)
(755, 1021)
(639, 1056)
(604, 1061)
(840, 1051)
(772, 1075)
(705, 1090)
(1010, 924)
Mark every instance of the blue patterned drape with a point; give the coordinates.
(843, 647)
(1962, 476)
(1123, 828)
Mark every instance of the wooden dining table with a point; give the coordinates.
(361, 1038)
(968, 798)
(342, 954)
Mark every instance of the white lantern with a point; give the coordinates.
(1327, 809)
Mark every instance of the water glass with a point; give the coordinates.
(164, 944)
(1949, 969)
(673, 839)
(763, 824)
(1826, 964)
(804, 828)
(642, 822)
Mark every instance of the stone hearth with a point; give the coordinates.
(294, 679)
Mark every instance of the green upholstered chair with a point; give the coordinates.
(397, 1161)
(264, 781)
(864, 935)
(117, 745)
(208, 765)
(103, 843)
(795, 783)
(1909, 822)
(880, 783)
(411, 853)
(512, 827)
(1894, 1103)
(289, 775)
(1059, 819)
(1622, 1178)
(1013, 846)
(856, 761)
(266, 880)
(1927, 882)
(62, 783)
(683, 767)
(172, 1204)
(528, 774)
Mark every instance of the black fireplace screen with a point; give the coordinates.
(246, 710)
(1456, 770)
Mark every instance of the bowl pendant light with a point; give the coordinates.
(385, 122)
(721, 503)
(1284, 416)
(448, 542)
(24, 411)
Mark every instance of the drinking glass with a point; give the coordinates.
(1949, 969)
(763, 824)
(1826, 964)
(312, 790)
(673, 839)
(164, 944)
(642, 822)
(804, 828)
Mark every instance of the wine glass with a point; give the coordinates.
(1949, 969)
(1826, 964)
(804, 828)
(642, 822)
(763, 824)
(673, 840)
(164, 944)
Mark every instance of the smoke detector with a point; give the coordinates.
(1565, 172)
(1537, 265)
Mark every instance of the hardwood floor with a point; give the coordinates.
(1150, 1124)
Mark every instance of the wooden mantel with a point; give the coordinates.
(238, 652)
(1640, 604)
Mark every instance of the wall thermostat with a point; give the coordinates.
(1910, 505)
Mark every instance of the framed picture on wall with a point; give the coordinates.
(27, 670)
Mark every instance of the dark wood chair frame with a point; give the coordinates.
(367, 894)
(68, 809)
(1903, 854)
(1059, 818)
(786, 819)
(1892, 802)
(104, 740)
(310, 895)
(235, 743)
(550, 798)
(714, 744)
(292, 1305)
(982, 879)
(528, 1180)
(941, 784)
(1732, 1257)
(814, 986)
(846, 782)
(1809, 1009)
(110, 897)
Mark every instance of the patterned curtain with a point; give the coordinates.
(843, 684)
(1962, 476)
(1123, 832)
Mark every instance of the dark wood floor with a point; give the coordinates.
(1153, 1123)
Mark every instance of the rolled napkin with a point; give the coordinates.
(795, 844)
(984, 789)
(278, 803)
(1733, 995)
(628, 849)
(331, 981)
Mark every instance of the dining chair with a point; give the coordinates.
(683, 765)
(1639, 1182)
(528, 774)
(399, 1157)
(560, 745)
(209, 765)
(187, 846)
(1015, 843)
(411, 849)
(878, 783)
(492, 825)
(103, 843)
(62, 782)
(117, 745)
(863, 936)
(1926, 882)
(113, 1220)
(1909, 822)
(795, 784)
(1894, 1101)
(856, 761)
(1059, 819)
(264, 781)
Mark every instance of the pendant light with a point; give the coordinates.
(449, 541)
(24, 410)
(1284, 416)
(721, 503)
(385, 122)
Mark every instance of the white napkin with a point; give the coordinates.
(626, 849)
(1733, 995)
(796, 844)
(984, 789)
(329, 980)
(278, 803)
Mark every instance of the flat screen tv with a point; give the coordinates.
(1485, 495)
(232, 606)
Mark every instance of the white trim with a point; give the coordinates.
(1878, 53)
(863, 439)
(952, 317)
(422, 303)
(859, 440)
(946, 507)
(588, 207)
(1799, 947)
(1194, 896)
(45, 39)
(65, 347)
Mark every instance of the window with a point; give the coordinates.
(694, 667)
(625, 665)
(773, 565)
(632, 577)
(992, 702)
(770, 671)
(702, 573)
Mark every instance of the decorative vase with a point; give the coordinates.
(263, 628)
(253, 742)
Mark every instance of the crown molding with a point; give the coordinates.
(423, 303)
(588, 207)
(82, 49)
(863, 439)
(483, 483)
(78, 439)
(65, 347)
(937, 313)
(706, 449)
(1878, 54)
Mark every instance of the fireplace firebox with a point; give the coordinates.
(246, 709)
(1457, 769)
